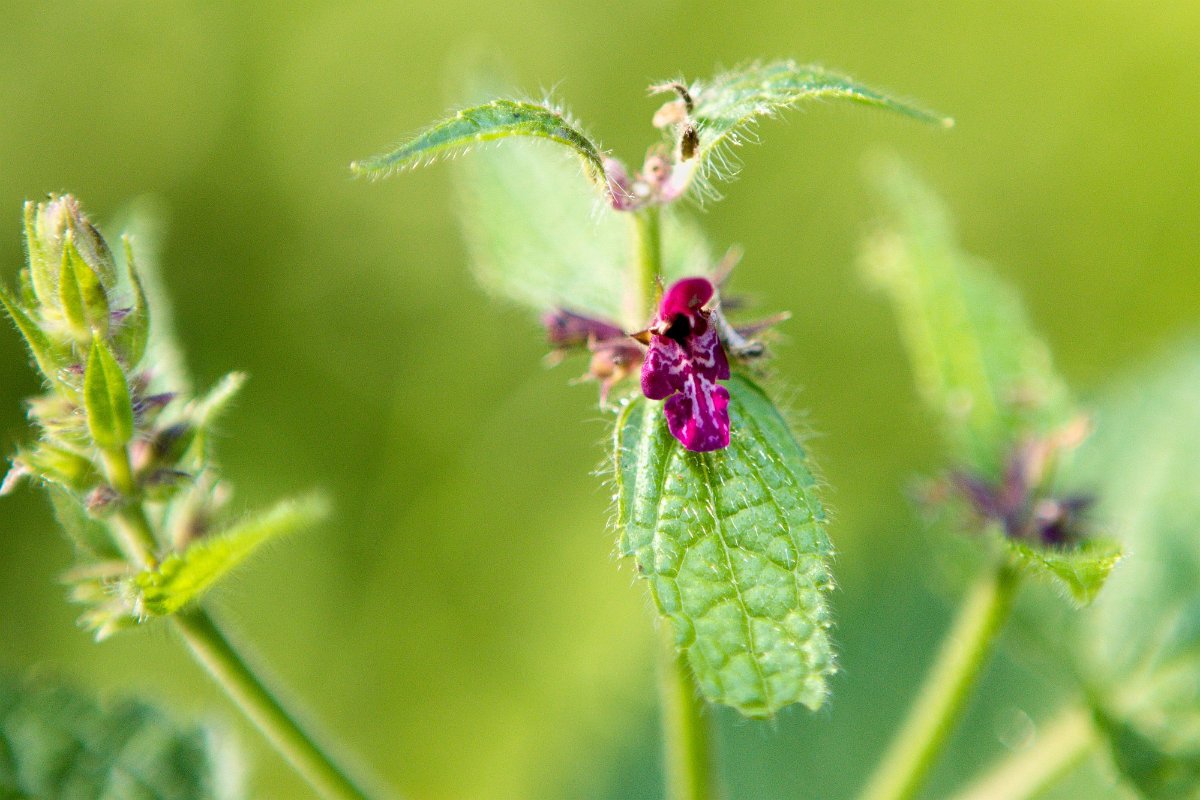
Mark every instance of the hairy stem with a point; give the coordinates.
(643, 285)
(1067, 740)
(964, 651)
(215, 653)
(687, 733)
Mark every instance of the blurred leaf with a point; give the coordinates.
(1154, 772)
(134, 333)
(106, 398)
(141, 225)
(727, 108)
(1141, 650)
(56, 743)
(81, 295)
(44, 353)
(538, 236)
(498, 119)
(182, 578)
(734, 546)
(206, 409)
(1080, 570)
(976, 359)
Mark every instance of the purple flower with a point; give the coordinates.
(683, 364)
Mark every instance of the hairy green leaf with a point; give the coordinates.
(56, 742)
(42, 271)
(727, 108)
(81, 295)
(47, 357)
(106, 398)
(976, 359)
(184, 577)
(1080, 569)
(733, 545)
(134, 334)
(499, 119)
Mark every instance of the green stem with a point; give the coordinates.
(645, 282)
(686, 731)
(135, 536)
(215, 653)
(1065, 743)
(931, 718)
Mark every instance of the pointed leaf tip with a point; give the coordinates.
(496, 120)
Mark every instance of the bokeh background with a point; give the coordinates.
(462, 625)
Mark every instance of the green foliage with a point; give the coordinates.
(733, 545)
(106, 399)
(81, 296)
(1141, 649)
(1080, 570)
(728, 107)
(47, 357)
(499, 119)
(976, 359)
(539, 237)
(184, 577)
(134, 335)
(59, 744)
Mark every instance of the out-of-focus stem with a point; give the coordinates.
(247, 691)
(916, 745)
(644, 284)
(1066, 742)
(687, 733)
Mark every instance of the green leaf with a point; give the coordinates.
(1140, 652)
(733, 545)
(42, 269)
(57, 742)
(81, 295)
(207, 409)
(1149, 765)
(106, 399)
(976, 359)
(727, 108)
(538, 236)
(498, 119)
(47, 357)
(134, 334)
(1080, 570)
(183, 578)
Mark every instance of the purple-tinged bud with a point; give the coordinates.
(102, 501)
(684, 361)
(48, 228)
(569, 329)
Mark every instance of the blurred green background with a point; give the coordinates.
(462, 625)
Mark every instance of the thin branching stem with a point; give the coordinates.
(687, 732)
(217, 655)
(916, 745)
(1066, 741)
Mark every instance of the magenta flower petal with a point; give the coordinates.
(683, 364)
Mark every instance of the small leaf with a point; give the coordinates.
(976, 360)
(206, 409)
(727, 108)
(733, 545)
(183, 578)
(56, 742)
(42, 267)
(81, 295)
(1080, 570)
(498, 119)
(106, 398)
(61, 466)
(45, 354)
(1150, 766)
(134, 333)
